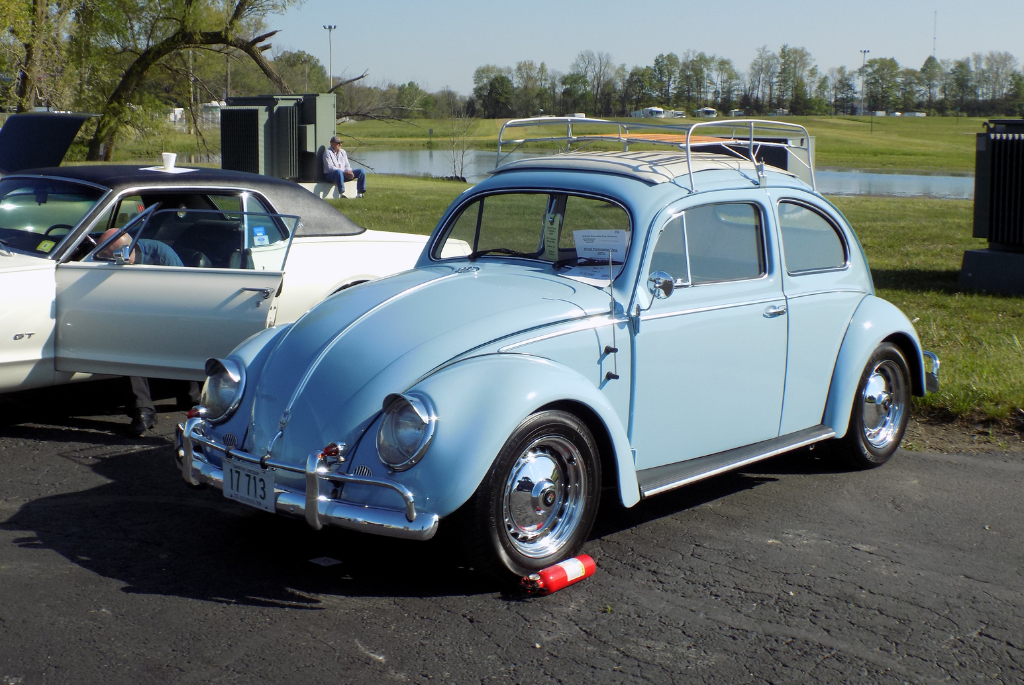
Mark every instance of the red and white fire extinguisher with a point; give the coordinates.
(563, 574)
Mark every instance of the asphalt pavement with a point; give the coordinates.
(796, 570)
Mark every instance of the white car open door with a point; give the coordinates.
(169, 290)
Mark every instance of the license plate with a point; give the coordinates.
(249, 484)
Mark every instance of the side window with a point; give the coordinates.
(725, 242)
(670, 252)
(127, 209)
(809, 241)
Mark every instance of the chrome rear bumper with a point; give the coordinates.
(317, 509)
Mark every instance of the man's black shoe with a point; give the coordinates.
(143, 421)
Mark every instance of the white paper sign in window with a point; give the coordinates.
(601, 245)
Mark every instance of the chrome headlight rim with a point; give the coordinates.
(424, 409)
(236, 372)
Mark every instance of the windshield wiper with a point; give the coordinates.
(499, 250)
(6, 252)
(580, 261)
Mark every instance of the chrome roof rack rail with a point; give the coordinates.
(742, 138)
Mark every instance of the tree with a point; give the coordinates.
(574, 91)
(960, 87)
(457, 124)
(664, 75)
(39, 28)
(302, 71)
(497, 101)
(908, 89)
(931, 75)
(640, 88)
(482, 78)
(157, 31)
(881, 82)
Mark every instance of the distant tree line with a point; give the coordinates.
(979, 85)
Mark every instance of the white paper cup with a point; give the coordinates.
(169, 158)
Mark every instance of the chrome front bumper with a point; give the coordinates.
(317, 509)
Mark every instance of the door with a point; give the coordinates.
(711, 357)
(169, 290)
(822, 294)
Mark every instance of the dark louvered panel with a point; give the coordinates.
(286, 142)
(241, 139)
(999, 185)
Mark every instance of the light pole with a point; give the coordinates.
(863, 62)
(330, 53)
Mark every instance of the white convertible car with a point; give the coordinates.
(201, 260)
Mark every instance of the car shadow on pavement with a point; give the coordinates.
(614, 517)
(144, 528)
(150, 531)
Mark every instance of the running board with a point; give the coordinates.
(662, 478)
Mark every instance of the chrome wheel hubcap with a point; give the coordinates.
(883, 404)
(543, 498)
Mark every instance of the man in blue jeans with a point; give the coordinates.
(337, 170)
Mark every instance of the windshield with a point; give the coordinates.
(580, 237)
(36, 213)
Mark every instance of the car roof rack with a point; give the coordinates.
(740, 138)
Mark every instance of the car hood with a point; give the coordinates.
(327, 378)
(36, 140)
(17, 261)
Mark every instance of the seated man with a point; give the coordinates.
(156, 253)
(146, 251)
(337, 170)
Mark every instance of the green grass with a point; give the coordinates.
(931, 144)
(401, 203)
(914, 246)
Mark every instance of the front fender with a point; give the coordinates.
(479, 402)
(253, 353)
(875, 321)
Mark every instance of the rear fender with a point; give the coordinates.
(479, 402)
(875, 321)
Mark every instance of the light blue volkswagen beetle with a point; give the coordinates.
(624, 322)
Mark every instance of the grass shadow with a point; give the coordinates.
(917, 280)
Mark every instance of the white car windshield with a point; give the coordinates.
(37, 213)
(579, 236)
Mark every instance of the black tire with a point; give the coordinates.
(500, 545)
(880, 410)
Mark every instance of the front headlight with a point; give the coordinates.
(406, 431)
(222, 392)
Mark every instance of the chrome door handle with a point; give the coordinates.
(266, 291)
(772, 312)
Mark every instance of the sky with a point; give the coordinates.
(440, 43)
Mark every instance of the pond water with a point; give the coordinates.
(830, 181)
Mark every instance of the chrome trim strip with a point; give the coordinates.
(317, 509)
(830, 291)
(825, 435)
(107, 202)
(590, 323)
(698, 310)
(59, 178)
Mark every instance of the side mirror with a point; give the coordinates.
(123, 256)
(661, 285)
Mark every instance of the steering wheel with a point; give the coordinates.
(85, 247)
(58, 226)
